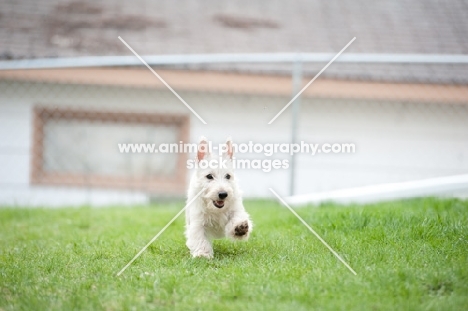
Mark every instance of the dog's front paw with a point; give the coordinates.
(241, 230)
(202, 254)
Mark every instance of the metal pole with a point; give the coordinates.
(296, 87)
(156, 60)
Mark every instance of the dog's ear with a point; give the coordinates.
(202, 150)
(229, 150)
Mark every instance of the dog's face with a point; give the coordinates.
(219, 182)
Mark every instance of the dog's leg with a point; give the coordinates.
(239, 226)
(197, 242)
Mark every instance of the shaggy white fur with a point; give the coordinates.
(218, 212)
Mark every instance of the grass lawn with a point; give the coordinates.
(409, 255)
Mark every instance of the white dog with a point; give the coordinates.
(218, 211)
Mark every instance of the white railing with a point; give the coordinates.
(385, 192)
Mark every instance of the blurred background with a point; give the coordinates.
(70, 91)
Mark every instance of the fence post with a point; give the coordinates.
(296, 88)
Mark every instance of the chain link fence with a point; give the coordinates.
(61, 130)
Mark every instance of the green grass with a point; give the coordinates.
(409, 255)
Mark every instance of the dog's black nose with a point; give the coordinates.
(222, 195)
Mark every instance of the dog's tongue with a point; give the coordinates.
(220, 202)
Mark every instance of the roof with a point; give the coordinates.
(57, 28)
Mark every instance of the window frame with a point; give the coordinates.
(174, 185)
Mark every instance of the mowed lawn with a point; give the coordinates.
(409, 255)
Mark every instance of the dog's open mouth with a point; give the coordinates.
(218, 204)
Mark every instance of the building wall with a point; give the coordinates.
(395, 141)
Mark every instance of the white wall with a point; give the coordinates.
(394, 141)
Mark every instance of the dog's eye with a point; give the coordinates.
(209, 176)
(228, 176)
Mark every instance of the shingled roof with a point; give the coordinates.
(51, 28)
